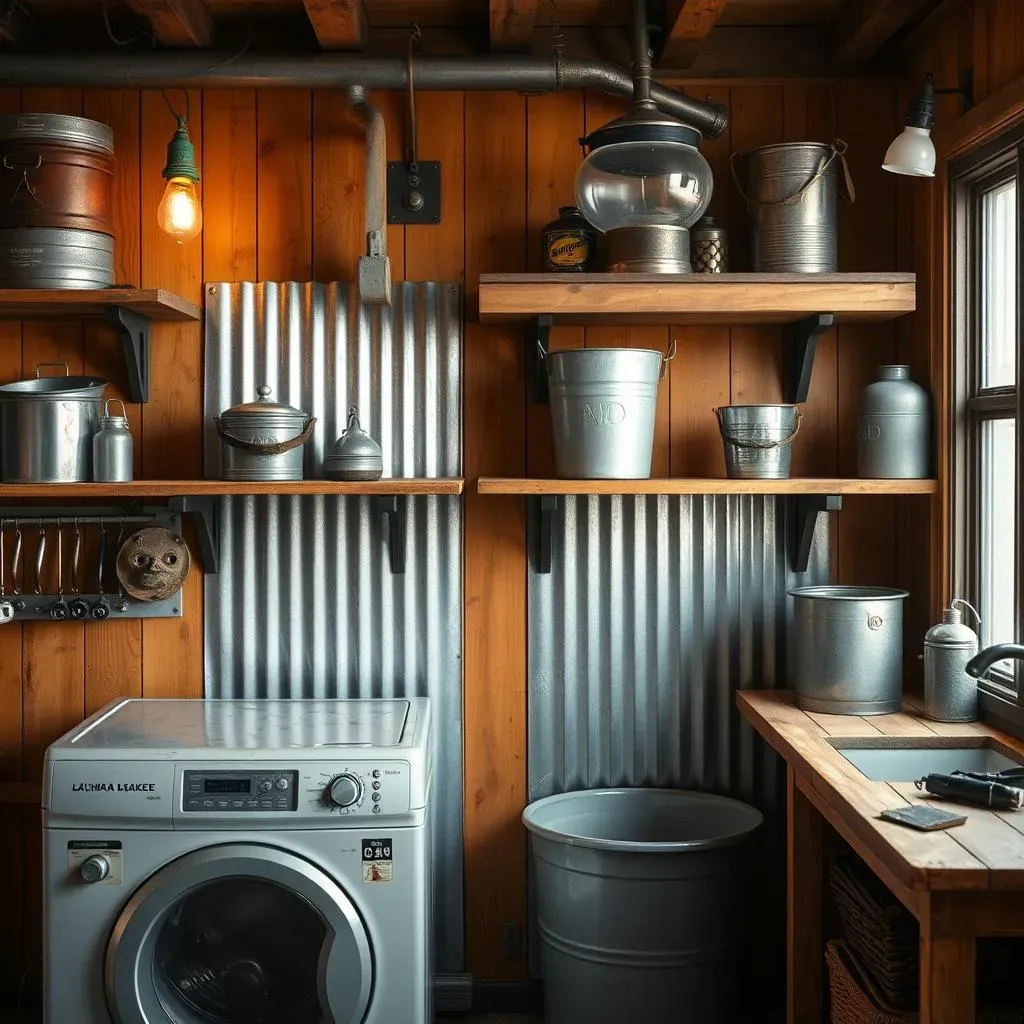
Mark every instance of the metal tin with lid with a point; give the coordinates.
(355, 455)
(263, 440)
(112, 446)
(950, 694)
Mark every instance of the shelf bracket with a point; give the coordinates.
(547, 507)
(392, 508)
(204, 515)
(537, 347)
(804, 518)
(133, 330)
(801, 344)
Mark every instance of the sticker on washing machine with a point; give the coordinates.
(96, 861)
(377, 863)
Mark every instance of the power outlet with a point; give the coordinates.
(511, 941)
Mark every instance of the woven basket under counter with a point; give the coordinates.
(883, 936)
(853, 999)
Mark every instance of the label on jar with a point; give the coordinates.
(566, 250)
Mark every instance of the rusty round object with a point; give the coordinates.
(152, 564)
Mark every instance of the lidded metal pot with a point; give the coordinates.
(355, 455)
(112, 446)
(950, 694)
(263, 440)
(894, 427)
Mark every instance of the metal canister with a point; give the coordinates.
(570, 243)
(950, 694)
(112, 446)
(848, 648)
(263, 440)
(894, 427)
(710, 242)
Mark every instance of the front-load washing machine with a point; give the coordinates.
(264, 862)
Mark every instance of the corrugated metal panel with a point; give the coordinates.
(656, 611)
(305, 604)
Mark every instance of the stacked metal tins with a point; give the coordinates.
(56, 202)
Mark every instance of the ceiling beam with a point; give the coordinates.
(687, 23)
(863, 27)
(338, 24)
(511, 23)
(177, 22)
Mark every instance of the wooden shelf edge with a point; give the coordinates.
(83, 304)
(197, 488)
(708, 485)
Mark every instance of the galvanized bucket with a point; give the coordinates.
(792, 192)
(603, 403)
(758, 440)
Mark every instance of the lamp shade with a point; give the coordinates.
(912, 152)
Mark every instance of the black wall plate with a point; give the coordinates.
(402, 183)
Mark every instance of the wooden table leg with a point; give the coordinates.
(947, 970)
(805, 947)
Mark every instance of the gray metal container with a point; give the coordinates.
(58, 128)
(46, 427)
(603, 403)
(55, 258)
(355, 455)
(950, 694)
(848, 649)
(894, 427)
(112, 447)
(710, 242)
(650, 249)
(639, 896)
(792, 194)
(263, 440)
(758, 440)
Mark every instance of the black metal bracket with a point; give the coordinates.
(537, 347)
(803, 519)
(801, 345)
(133, 330)
(204, 514)
(392, 508)
(547, 507)
(414, 192)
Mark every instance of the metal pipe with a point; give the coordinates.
(341, 70)
(985, 659)
(641, 56)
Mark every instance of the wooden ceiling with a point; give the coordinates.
(719, 35)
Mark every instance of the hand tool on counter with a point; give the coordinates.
(59, 609)
(100, 608)
(78, 606)
(999, 790)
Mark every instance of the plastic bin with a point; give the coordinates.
(640, 904)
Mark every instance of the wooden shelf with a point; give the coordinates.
(603, 299)
(707, 485)
(91, 304)
(213, 488)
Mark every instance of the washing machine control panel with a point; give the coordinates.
(366, 789)
(231, 791)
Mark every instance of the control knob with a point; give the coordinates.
(94, 869)
(345, 790)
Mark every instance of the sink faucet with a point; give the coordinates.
(984, 660)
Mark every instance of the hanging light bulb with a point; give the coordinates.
(180, 213)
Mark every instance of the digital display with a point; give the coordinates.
(226, 785)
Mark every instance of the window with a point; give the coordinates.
(987, 372)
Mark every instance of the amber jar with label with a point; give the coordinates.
(569, 244)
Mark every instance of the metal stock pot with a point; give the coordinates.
(263, 440)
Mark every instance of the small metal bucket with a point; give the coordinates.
(758, 440)
(603, 403)
(792, 191)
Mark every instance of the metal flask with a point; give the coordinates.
(950, 694)
(112, 446)
(894, 427)
(263, 440)
(355, 455)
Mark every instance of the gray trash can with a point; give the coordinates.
(639, 904)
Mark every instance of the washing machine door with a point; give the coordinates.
(240, 932)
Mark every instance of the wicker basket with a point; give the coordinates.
(855, 1000)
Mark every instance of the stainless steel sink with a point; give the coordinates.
(903, 759)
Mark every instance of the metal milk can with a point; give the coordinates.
(950, 694)
(112, 446)
(894, 427)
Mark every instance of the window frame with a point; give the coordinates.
(970, 176)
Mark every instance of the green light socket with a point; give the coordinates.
(181, 155)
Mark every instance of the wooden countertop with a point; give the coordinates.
(987, 852)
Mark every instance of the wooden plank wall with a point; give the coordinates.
(283, 187)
